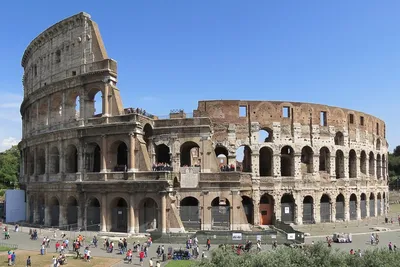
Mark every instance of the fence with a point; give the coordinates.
(289, 232)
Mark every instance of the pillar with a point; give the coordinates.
(103, 218)
(255, 162)
(333, 210)
(332, 162)
(105, 100)
(358, 208)
(47, 215)
(297, 166)
(131, 214)
(48, 119)
(276, 172)
(47, 161)
(103, 154)
(132, 148)
(346, 207)
(62, 156)
(163, 212)
(256, 206)
(346, 165)
(62, 217)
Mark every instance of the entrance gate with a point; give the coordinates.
(340, 210)
(287, 212)
(378, 203)
(363, 206)
(372, 208)
(325, 209)
(353, 210)
(220, 218)
(308, 213)
(190, 216)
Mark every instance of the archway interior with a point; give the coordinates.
(371, 164)
(340, 207)
(287, 208)
(54, 211)
(353, 207)
(31, 209)
(148, 133)
(339, 139)
(248, 208)
(190, 213)
(93, 215)
(77, 107)
(122, 156)
(72, 213)
(363, 206)
(41, 162)
(243, 159)
(93, 158)
(220, 214)
(148, 215)
(265, 135)
(54, 160)
(352, 164)
(96, 105)
(41, 210)
(266, 161)
(190, 154)
(221, 154)
(287, 160)
(379, 203)
(307, 160)
(119, 222)
(372, 205)
(325, 208)
(163, 154)
(308, 210)
(339, 164)
(71, 159)
(363, 162)
(324, 160)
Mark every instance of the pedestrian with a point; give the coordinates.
(141, 257)
(151, 262)
(28, 262)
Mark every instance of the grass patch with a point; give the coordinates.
(394, 208)
(3, 248)
(46, 260)
(179, 263)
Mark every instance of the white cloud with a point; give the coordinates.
(8, 142)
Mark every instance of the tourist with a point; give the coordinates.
(88, 253)
(54, 261)
(141, 257)
(13, 256)
(151, 262)
(28, 261)
(158, 264)
(208, 243)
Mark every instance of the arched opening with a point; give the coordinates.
(190, 213)
(163, 154)
(266, 209)
(148, 219)
(54, 211)
(248, 208)
(98, 105)
(265, 135)
(93, 212)
(378, 144)
(384, 166)
(119, 218)
(71, 159)
(266, 161)
(72, 212)
(176, 183)
(221, 154)
(340, 207)
(363, 206)
(308, 210)
(148, 134)
(372, 205)
(325, 208)
(325, 160)
(41, 162)
(339, 139)
(77, 107)
(243, 159)
(339, 162)
(287, 161)
(287, 208)
(220, 214)
(353, 207)
(119, 162)
(31, 209)
(371, 164)
(307, 155)
(93, 157)
(363, 162)
(41, 210)
(379, 204)
(352, 164)
(54, 160)
(190, 154)
(30, 163)
(378, 166)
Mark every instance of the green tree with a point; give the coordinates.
(394, 164)
(9, 167)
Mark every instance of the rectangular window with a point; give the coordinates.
(351, 118)
(361, 120)
(377, 128)
(242, 111)
(323, 118)
(73, 73)
(286, 112)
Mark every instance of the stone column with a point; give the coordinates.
(376, 205)
(367, 204)
(47, 215)
(104, 155)
(105, 101)
(332, 162)
(103, 218)
(163, 212)
(297, 165)
(358, 207)
(333, 210)
(255, 162)
(48, 118)
(346, 165)
(317, 209)
(315, 163)
(47, 161)
(358, 166)
(132, 148)
(62, 156)
(137, 223)
(277, 207)
(131, 214)
(82, 107)
(256, 206)
(346, 207)
(62, 217)
(276, 170)
(63, 111)
(299, 207)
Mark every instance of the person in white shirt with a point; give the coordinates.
(88, 255)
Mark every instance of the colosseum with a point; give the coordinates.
(228, 165)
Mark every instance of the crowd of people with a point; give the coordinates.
(162, 166)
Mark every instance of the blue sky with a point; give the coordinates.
(173, 53)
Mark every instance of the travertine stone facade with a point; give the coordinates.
(230, 165)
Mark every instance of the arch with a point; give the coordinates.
(31, 209)
(220, 214)
(41, 209)
(248, 208)
(119, 162)
(363, 162)
(340, 207)
(378, 144)
(287, 208)
(265, 135)
(325, 160)
(352, 164)
(54, 160)
(221, 154)
(378, 166)
(308, 210)
(287, 161)
(119, 217)
(379, 203)
(266, 163)
(93, 157)
(77, 107)
(266, 209)
(190, 154)
(307, 155)
(190, 213)
(384, 163)
(372, 205)
(353, 207)
(325, 208)
(30, 170)
(54, 211)
(148, 215)
(41, 162)
(71, 159)
(243, 158)
(72, 212)
(371, 164)
(363, 206)
(93, 212)
(148, 134)
(339, 139)
(339, 164)
(95, 103)
(163, 154)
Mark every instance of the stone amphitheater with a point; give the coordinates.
(228, 165)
